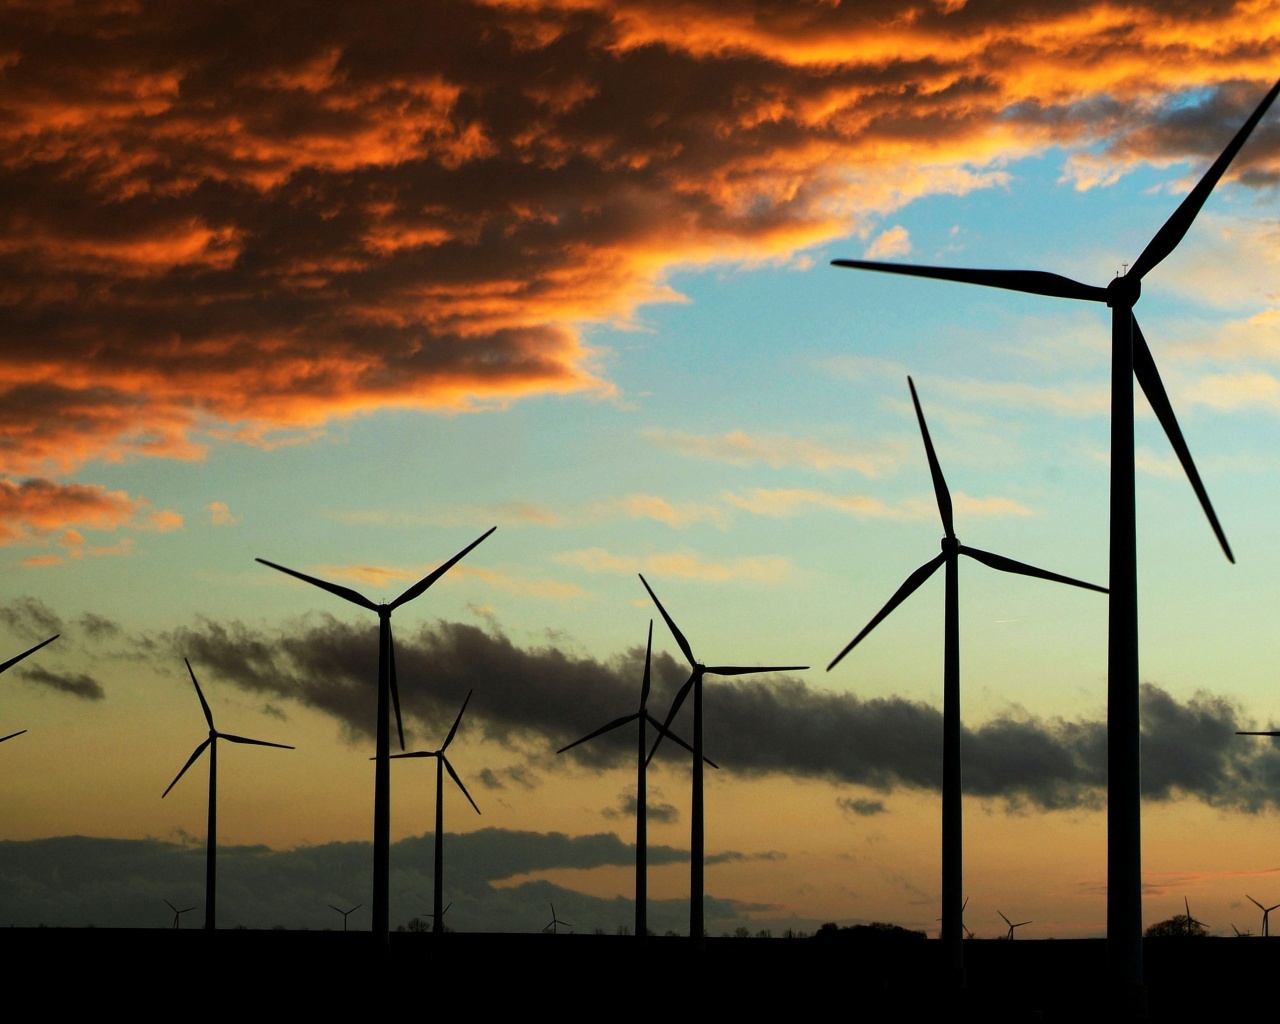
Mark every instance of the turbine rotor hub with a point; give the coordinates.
(1123, 292)
(951, 545)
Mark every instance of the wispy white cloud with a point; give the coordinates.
(684, 563)
(790, 502)
(895, 241)
(739, 448)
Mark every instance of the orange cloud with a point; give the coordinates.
(34, 509)
(212, 234)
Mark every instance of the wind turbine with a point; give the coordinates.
(1130, 356)
(1266, 914)
(210, 869)
(345, 913)
(442, 764)
(696, 833)
(1192, 923)
(555, 922)
(387, 692)
(177, 914)
(952, 831)
(1012, 926)
(13, 661)
(642, 794)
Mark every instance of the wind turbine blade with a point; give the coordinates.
(449, 738)
(675, 736)
(13, 661)
(912, 584)
(736, 670)
(12, 735)
(1258, 734)
(208, 715)
(1172, 231)
(1144, 368)
(1034, 282)
(331, 907)
(431, 577)
(648, 654)
(1254, 902)
(454, 775)
(256, 743)
(346, 593)
(170, 906)
(1006, 920)
(190, 761)
(939, 484)
(675, 630)
(415, 753)
(602, 730)
(681, 694)
(1009, 565)
(395, 685)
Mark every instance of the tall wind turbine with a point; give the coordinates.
(696, 833)
(387, 692)
(442, 764)
(1130, 356)
(952, 549)
(1266, 914)
(13, 661)
(642, 791)
(210, 867)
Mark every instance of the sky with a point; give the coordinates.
(344, 288)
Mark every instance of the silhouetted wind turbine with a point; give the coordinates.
(442, 764)
(642, 793)
(387, 692)
(345, 913)
(1012, 926)
(1191, 921)
(177, 914)
(696, 833)
(1266, 914)
(13, 661)
(555, 922)
(210, 869)
(952, 790)
(1130, 356)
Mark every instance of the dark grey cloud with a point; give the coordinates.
(628, 805)
(77, 881)
(76, 684)
(536, 699)
(31, 619)
(861, 808)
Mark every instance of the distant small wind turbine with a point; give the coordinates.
(952, 790)
(177, 914)
(210, 876)
(642, 793)
(387, 692)
(696, 832)
(13, 661)
(1266, 913)
(345, 913)
(555, 922)
(442, 765)
(1192, 923)
(1012, 926)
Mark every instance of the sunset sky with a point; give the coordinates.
(343, 286)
